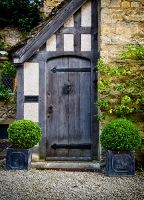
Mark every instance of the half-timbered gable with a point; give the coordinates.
(57, 82)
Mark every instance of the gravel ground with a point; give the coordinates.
(52, 185)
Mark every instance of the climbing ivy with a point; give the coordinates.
(7, 68)
(121, 87)
(24, 14)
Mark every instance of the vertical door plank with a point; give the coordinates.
(85, 105)
(20, 92)
(42, 107)
(62, 115)
(75, 136)
(57, 124)
(79, 105)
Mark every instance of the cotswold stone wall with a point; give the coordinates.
(121, 23)
(7, 109)
(7, 116)
(49, 5)
(10, 35)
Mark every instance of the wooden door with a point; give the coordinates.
(68, 108)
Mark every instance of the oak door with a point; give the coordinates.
(68, 108)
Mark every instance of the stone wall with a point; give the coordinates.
(122, 23)
(7, 109)
(9, 116)
(10, 35)
(49, 5)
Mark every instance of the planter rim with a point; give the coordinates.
(11, 147)
(120, 151)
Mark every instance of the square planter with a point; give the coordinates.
(18, 159)
(120, 163)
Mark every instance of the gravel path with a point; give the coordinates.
(62, 185)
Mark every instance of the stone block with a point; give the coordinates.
(49, 5)
(106, 16)
(125, 4)
(105, 40)
(115, 3)
(111, 47)
(35, 157)
(135, 4)
(118, 15)
(107, 29)
(126, 28)
(105, 3)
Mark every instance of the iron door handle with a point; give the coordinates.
(50, 109)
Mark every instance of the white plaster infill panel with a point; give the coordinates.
(31, 111)
(51, 43)
(86, 13)
(85, 42)
(69, 22)
(31, 78)
(68, 42)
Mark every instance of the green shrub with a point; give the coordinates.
(24, 134)
(120, 134)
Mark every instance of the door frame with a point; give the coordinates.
(59, 129)
(94, 109)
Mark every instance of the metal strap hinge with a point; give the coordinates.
(71, 146)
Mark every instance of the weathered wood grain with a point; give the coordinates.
(42, 107)
(20, 92)
(70, 120)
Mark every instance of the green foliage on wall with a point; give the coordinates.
(3, 45)
(121, 87)
(24, 14)
(7, 68)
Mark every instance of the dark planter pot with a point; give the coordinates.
(120, 163)
(18, 159)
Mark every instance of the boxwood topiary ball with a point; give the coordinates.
(120, 134)
(24, 134)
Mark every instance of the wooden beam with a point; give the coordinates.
(49, 29)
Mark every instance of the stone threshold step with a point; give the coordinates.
(66, 165)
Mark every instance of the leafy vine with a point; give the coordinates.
(121, 87)
(7, 68)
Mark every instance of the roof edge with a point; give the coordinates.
(53, 23)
